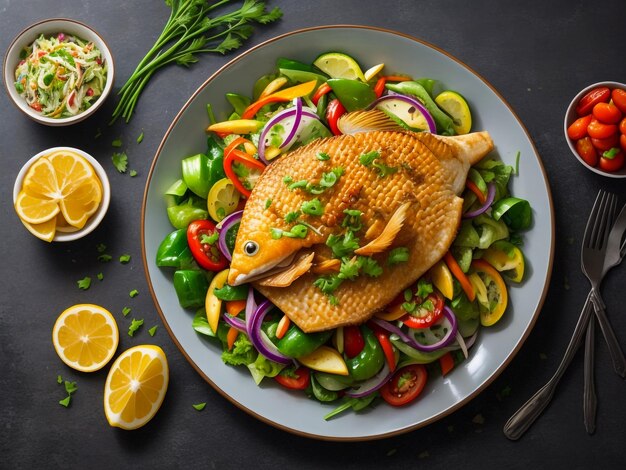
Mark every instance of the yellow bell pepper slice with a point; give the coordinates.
(236, 126)
(212, 304)
(496, 292)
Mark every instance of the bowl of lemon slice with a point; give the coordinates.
(61, 194)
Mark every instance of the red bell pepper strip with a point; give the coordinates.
(446, 362)
(333, 112)
(287, 94)
(321, 91)
(385, 344)
(232, 154)
(379, 88)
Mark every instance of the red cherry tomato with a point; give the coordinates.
(405, 385)
(607, 113)
(587, 151)
(598, 130)
(353, 342)
(424, 317)
(593, 97)
(207, 255)
(606, 144)
(622, 126)
(622, 142)
(619, 99)
(299, 382)
(612, 164)
(578, 129)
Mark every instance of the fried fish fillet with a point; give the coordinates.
(407, 195)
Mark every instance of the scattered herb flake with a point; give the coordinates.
(313, 207)
(478, 419)
(153, 330)
(287, 179)
(126, 311)
(105, 258)
(517, 157)
(124, 259)
(120, 161)
(84, 283)
(140, 138)
(66, 401)
(398, 255)
(100, 276)
(117, 143)
(323, 156)
(70, 387)
(59, 379)
(268, 203)
(101, 247)
(134, 326)
(370, 266)
(209, 239)
(291, 217)
(368, 158)
(132, 173)
(133, 293)
(199, 406)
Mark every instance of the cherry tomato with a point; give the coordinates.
(607, 113)
(424, 317)
(578, 129)
(206, 254)
(619, 99)
(622, 142)
(587, 151)
(353, 342)
(405, 385)
(333, 112)
(622, 126)
(301, 380)
(600, 131)
(612, 164)
(593, 97)
(606, 144)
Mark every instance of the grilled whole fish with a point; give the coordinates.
(405, 187)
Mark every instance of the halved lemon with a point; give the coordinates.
(458, 109)
(85, 336)
(136, 386)
(339, 65)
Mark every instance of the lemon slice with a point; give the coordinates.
(372, 71)
(85, 337)
(45, 231)
(222, 199)
(458, 109)
(70, 169)
(339, 65)
(81, 203)
(35, 210)
(40, 180)
(136, 386)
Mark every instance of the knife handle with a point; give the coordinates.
(590, 400)
(617, 355)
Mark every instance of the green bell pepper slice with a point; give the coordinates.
(174, 251)
(202, 171)
(238, 102)
(297, 343)
(515, 212)
(370, 360)
(353, 94)
(283, 63)
(445, 124)
(229, 292)
(191, 287)
(181, 215)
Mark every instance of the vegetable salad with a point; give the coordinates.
(428, 329)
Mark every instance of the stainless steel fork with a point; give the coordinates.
(523, 418)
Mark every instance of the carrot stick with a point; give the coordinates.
(476, 190)
(231, 336)
(447, 363)
(460, 276)
(234, 307)
(283, 326)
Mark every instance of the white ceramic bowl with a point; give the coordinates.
(50, 27)
(96, 218)
(571, 116)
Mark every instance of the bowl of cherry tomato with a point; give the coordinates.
(595, 128)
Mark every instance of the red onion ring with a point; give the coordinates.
(224, 226)
(491, 194)
(371, 385)
(286, 113)
(235, 322)
(447, 339)
(432, 127)
(259, 339)
(391, 328)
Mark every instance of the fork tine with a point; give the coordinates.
(592, 220)
(607, 220)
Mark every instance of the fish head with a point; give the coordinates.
(257, 254)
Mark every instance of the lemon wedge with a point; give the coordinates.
(339, 65)
(457, 108)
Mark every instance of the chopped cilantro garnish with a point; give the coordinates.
(126, 311)
(66, 401)
(330, 179)
(428, 305)
(59, 379)
(409, 307)
(370, 266)
(333, 300)
(100, 276)
(199, 406)
(298, 184)
(287, 179)
(132, 173)
(368, 158)
(384, 170)
(105, 258)
(408, 295)
(268, 203)
(153, 330)
(70, 388)
(120, 161)
(134, 326)
(343, 246)
(209, 239)
(84, 283)
(398, 255)
(349, 269)
(297, 231)
(352, 220)
(101, 247)
(313, 207)
(328, 284)
(423, 288)
(140, 138)
(291, 217)
(124, 259)
(133, 293)
(117, 143)
(276, 233)
(323, 156)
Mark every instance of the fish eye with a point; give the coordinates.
(251, 248)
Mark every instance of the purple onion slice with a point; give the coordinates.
(224, 226)
(259, 338)
(491, 194)
(371, 385)
(295, 112)
(430, 122)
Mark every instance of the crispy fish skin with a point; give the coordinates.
(427, 177)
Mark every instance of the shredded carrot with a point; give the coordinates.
(397, 78)
(283, 326)
(231, 336)
(476, 190)
(234, 307)
(446, 362)
(466, 285)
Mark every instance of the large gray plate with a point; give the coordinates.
(496, 346)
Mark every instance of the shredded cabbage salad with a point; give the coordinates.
(60, 76)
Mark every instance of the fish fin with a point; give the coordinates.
(327, 266)
(470, 148)
(286, 277)
(388, 235)
(374, 230)
(366, 121)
